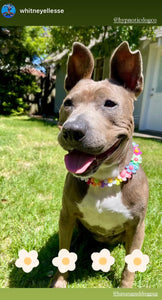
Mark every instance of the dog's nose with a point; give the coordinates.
(74, 131)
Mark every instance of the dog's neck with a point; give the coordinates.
(107, 171)
(113, 169)
(109, 175)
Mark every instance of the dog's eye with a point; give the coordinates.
(68, 102)
(109, 103)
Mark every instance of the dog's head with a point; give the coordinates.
(96, 118)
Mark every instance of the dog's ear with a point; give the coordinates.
(126, 68)
(80, 65)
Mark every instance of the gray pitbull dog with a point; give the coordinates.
(96, 127)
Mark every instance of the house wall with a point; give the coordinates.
(60, 92)
(144, 49)
(151, 104)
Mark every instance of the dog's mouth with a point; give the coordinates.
(81, 163)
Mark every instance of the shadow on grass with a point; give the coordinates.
(40, 277)
(84, 245)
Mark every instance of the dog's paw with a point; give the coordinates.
(126, 284)
(58, 282)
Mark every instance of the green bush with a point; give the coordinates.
(13, 91)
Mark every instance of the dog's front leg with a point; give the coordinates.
(66, 226)
(134, 240)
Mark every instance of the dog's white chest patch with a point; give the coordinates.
(103, 207)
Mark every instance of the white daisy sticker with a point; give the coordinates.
(27, 260)
(102, 260)
(65, 261)
(137, 261)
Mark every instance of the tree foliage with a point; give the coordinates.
(18, 45)
(109, 37)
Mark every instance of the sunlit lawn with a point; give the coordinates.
(32, 174)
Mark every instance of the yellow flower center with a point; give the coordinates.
(27, 261)
(136, 150)
(65, 261)
(110, 180)
(137, 261)
(102, 261)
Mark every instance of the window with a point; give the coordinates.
(98, 69)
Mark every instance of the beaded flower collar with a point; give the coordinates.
(124, 175)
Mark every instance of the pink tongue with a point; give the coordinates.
(78, 162)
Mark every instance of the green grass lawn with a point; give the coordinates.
(32, 174)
